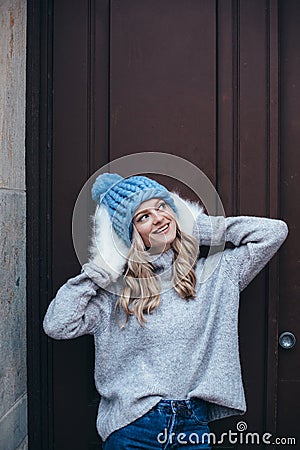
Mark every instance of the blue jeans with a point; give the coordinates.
(170, 424)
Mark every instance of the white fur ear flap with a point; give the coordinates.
(187, 212)
(108, 251)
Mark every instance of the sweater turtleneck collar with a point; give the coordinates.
(161, 262)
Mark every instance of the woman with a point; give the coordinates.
(166, 340)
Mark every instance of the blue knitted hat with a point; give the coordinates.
(122, 196)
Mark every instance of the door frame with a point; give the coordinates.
(38, 214)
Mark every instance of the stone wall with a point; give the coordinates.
(13, 390)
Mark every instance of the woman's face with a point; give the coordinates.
(154, 221)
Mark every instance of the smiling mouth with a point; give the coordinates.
(161, 229)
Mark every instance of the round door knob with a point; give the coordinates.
(287, 340)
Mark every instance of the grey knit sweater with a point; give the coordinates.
(187, 348)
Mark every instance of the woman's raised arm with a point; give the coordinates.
(78, 307)
(255, 241)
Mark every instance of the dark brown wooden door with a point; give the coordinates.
(217, 83)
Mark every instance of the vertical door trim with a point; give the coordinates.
(228, 103)
(274, 171)
(38, 213)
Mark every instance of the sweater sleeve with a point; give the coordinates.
(255, 241)
(79, 305)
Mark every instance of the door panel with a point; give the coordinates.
(80, 145)
(289, 309)
(163, 79)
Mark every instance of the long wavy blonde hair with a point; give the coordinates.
(141, 293)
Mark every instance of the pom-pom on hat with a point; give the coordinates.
(122, 196)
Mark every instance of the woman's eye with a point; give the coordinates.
(142, 218)
(162, 206)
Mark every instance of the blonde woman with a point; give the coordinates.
(163, 366)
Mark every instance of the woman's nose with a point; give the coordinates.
(156, 216)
